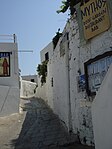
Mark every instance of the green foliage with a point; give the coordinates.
(63, 7)
(42, 71)
(68, 4)
(56, 38)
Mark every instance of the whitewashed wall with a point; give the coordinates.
(41, 90)
(27, 89)
(77, 104)
(101, 114)
(57, 95)
(49, 88)
(46, 91)
(30, 77)
(80, 102)
(49, 49)
(60, 87)
(9, 86)
(9, 100)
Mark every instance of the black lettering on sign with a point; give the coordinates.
(92, 7)
(87, 21)
(94, 23)
(94, 28)
(104, 11)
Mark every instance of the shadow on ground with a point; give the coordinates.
(42, 129)
(31, 116)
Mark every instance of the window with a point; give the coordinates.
(32, 80)
(47, 56)
(95, 71)
(52, 82)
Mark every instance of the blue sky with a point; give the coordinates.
(35, 22)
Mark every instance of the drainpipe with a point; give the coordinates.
(68, 84)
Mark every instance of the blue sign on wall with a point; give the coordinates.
(81, 83)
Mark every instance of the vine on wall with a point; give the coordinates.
(56, 38)
(42, 71)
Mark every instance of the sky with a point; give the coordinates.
(35, 23)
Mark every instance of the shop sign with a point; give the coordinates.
(95, 18)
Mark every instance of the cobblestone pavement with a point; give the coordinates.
(41, 129)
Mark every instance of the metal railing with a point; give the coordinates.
(8, 38)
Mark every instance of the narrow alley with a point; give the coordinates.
(37, 127)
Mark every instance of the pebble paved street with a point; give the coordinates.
(36, 128)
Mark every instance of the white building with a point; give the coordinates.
(77, 67)
(32, 78)
(9, 76)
